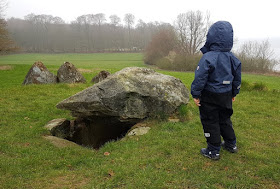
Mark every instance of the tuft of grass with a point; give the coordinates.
(184, 113)
(160, 116)
(268, 80)
(245, 85)
(257, 86)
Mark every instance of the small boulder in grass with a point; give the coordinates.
(138, 131)
(68, 73)
(59, 142)
(59, 127)
(39, 74)
(100, 76)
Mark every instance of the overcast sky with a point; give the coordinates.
(250, 18)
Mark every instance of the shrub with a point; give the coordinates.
(259, 86)
(245, 85)
(191, 62)
(179, 62)
(164, 63)
(161, 44)
(257, 57)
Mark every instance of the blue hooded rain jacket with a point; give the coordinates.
(218, 71)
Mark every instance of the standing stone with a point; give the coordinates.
(39, 74)
(100, 76)
(68, 73)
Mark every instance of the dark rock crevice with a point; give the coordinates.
(96, 131)
(92, 132)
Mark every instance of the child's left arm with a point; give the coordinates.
(236, 83)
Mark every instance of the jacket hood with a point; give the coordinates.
(219, 38)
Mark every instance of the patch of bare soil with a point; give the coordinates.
(6, 67)
(84, 70)
(81, 70)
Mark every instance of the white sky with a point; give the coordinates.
(250, 18)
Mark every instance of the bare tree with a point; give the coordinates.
(115, 33)
(129, 20)
(191, 29)
(257, 56)
(58, 20)
(3, 6)
(99, 19)
(141, 34)
(115, 20)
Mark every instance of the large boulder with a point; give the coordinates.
(68, 73)
(39, 74)
(128, 95)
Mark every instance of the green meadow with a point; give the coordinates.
(167, 157)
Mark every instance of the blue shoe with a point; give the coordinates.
(210, 154)
(230, 148)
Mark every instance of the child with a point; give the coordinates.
(217, 81)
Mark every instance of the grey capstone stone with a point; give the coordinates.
(130, 94)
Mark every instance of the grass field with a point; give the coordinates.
(167, 157)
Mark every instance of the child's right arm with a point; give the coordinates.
(201, 76)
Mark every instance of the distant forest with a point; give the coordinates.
(88, 33)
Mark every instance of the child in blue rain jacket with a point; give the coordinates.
(217, 81)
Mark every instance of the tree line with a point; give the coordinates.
(86, 34)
